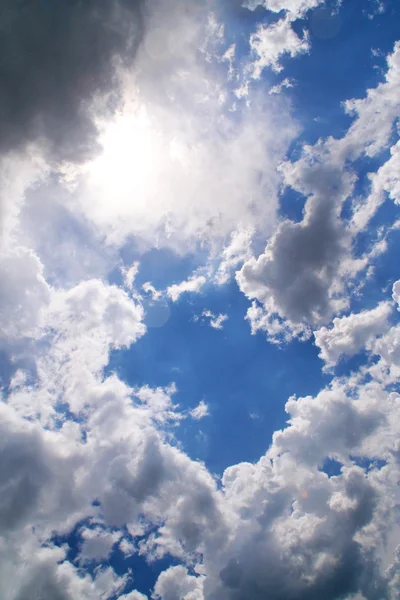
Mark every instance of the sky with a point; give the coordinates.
(199, 300)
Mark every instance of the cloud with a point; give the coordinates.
(200, 411)
(234, 254)
(396, 292)
(199, 172)
(295, 7)
(194, 284)
(135, 595)
(130, 274)
(353, 333)
(148, 288)
(21, 274)
(285, 506)
(271, 42)
(296, 278)
(46, 94)
(387, 177)
(301, 279)
(385, 182)
(215, 321)
(79, 445)
(176, 582)
(97, 544)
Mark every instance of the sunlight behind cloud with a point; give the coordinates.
(128, 170)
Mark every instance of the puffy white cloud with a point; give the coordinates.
(78, 446)
(295, 7)
(316, 533)
(29, 570)
(194, 284)
(270, 42)
(352, 333)
(176, 583)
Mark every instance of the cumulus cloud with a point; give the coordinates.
(270, 42)
(83, 452)
(113, 453)
(301, 278)
(177, 583)
(296, 278)
(353, 333)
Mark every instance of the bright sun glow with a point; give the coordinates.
(131, 157)
(132, 175)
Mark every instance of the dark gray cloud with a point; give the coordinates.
(23, 472)
(55, 55)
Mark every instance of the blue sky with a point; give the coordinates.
(200, 336)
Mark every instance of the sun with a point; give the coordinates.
(130, 159)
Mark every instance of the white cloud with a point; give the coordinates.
(353, 333)
(176, 582)
(296, 7)
(283, 505)
(24, 294)
(396, 292)
(385, 181)
(375, 114)
(387, 177)
(194, 284)
(200, 411)
(135, 595)
(234, 254)
(215, 321)
(270, 42)
(285, 83)
(130, 274)
(77, 445)
(196, 167)
(148, 288)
